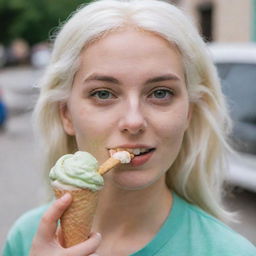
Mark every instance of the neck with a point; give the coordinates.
(126, 212)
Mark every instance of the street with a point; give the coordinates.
(23, 183)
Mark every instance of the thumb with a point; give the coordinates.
(48, 223)
(59, 236)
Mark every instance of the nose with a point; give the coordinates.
(133, 120)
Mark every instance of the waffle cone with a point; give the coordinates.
(107, 165)
(77, 220)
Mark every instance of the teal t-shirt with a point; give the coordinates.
(188, 231)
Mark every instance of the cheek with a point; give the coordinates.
(171, 134)
(89, 136)
(170, 146)
(173, 125)
(92, 133)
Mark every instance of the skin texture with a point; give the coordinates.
(129, 91)
(131, 113)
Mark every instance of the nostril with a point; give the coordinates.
(133, 126)
(133, 131)
(133, 122)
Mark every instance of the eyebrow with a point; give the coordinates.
(103, 78)
(162, 78)
(110, 79)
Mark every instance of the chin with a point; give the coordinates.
(131, 187)
(134, 182)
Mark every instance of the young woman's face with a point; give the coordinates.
(130, 93)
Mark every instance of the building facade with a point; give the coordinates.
(223, 20)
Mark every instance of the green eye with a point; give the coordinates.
(103, 94)
(161, 93)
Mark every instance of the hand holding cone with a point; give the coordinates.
(77, 220)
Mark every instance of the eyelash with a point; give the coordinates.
(95, 93)
(168, 93)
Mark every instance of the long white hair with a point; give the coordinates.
(197, 173)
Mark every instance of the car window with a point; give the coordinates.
(238, 82)
(239, 85)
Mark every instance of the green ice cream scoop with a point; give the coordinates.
(78, 170)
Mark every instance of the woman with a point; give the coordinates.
(136, 74)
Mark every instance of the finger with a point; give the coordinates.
(87, 247)
(48, 223)
(59, 235)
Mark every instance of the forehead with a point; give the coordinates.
(131, 51)
(126, 38)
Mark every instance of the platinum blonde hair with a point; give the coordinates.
(197, 173)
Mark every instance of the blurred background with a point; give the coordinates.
(27, 27)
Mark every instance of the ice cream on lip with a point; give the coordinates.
(140, 153)
(122, 155)
(116, 157)
(133, 151)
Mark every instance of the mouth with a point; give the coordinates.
(140, 154)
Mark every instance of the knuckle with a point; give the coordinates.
(94, 243)
(46, 219)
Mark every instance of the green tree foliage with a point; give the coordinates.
(33, 20)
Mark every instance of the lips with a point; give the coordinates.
(142, 158)
(141, 153)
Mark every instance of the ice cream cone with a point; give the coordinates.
(77, 220)
(108, 165)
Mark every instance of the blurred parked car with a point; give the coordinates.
(3, 111)
(236, 65)
(20, 88)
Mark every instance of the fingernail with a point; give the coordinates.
(95, 234)
(99, 235)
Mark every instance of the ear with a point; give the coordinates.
(66, 119)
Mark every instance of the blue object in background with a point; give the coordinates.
(3, 113)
